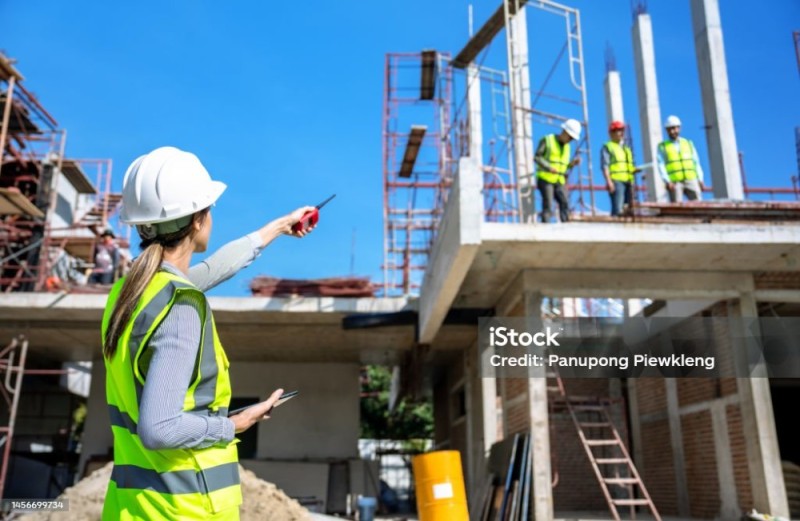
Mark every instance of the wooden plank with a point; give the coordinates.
(12, 202)
(484, 36)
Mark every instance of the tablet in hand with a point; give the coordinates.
(283, 399)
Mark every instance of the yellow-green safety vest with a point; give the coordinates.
(558, 157)
(621, 165)
(167, 484)
(680, 164)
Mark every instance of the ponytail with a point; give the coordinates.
(142, 272)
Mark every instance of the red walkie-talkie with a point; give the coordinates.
(310, 218)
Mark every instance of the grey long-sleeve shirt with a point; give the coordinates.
(172, 352)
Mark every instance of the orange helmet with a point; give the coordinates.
(616, 125)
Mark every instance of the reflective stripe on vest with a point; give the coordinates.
(558, 157)
(620, 167)
(679, 163)
(177, 481)
(168, 483)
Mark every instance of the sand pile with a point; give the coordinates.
(262, 501)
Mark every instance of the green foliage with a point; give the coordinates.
(407, 421)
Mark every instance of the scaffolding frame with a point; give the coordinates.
(17, 351)
(410, 201)
(32, 160)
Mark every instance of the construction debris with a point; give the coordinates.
(330, 287)
(262, 501)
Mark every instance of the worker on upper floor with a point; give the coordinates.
(616, 162)
(552, 167)
(678, 164)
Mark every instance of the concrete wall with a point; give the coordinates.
(321, 422)
(70, 206)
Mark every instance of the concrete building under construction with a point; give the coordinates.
(462, 244)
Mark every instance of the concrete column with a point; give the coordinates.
(520, 109)
(481, 416)
(97, 438)
(758, 421)
(636, 425)
(720, 135)
(676, 441)
(649, 108)
(729, 507)
(613, 89)
(539, 419)
(474, 107)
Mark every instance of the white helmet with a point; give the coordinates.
(164, 186)
(672, 121)
(573, 128)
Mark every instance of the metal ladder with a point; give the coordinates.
(596, 429)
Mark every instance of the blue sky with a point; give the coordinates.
(282, 101)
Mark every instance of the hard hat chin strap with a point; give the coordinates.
(151, 231)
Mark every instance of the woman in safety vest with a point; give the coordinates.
(167, 383)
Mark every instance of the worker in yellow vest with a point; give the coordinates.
(167, 382)
(678, 164)
(552, 167)
(616, 162)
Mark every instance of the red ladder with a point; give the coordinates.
(597, 430)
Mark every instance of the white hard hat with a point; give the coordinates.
(165, 185)
(573, 128)
(672, 121)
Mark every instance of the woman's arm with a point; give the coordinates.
(226, 262)
(236, 255)
(162, 422)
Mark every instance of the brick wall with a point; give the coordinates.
(651, 394)
(516, 412)
(577, 487)
(741, 471)
(700, 464)
(696, 390)
(658, 468)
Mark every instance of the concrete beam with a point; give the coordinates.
(777, 295)
(630, 284)
(655, 234)
(649, 107)
(713, 71)
(457, 240)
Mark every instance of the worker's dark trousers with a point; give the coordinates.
(549, 192)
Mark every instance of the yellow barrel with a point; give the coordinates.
(439, 482)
